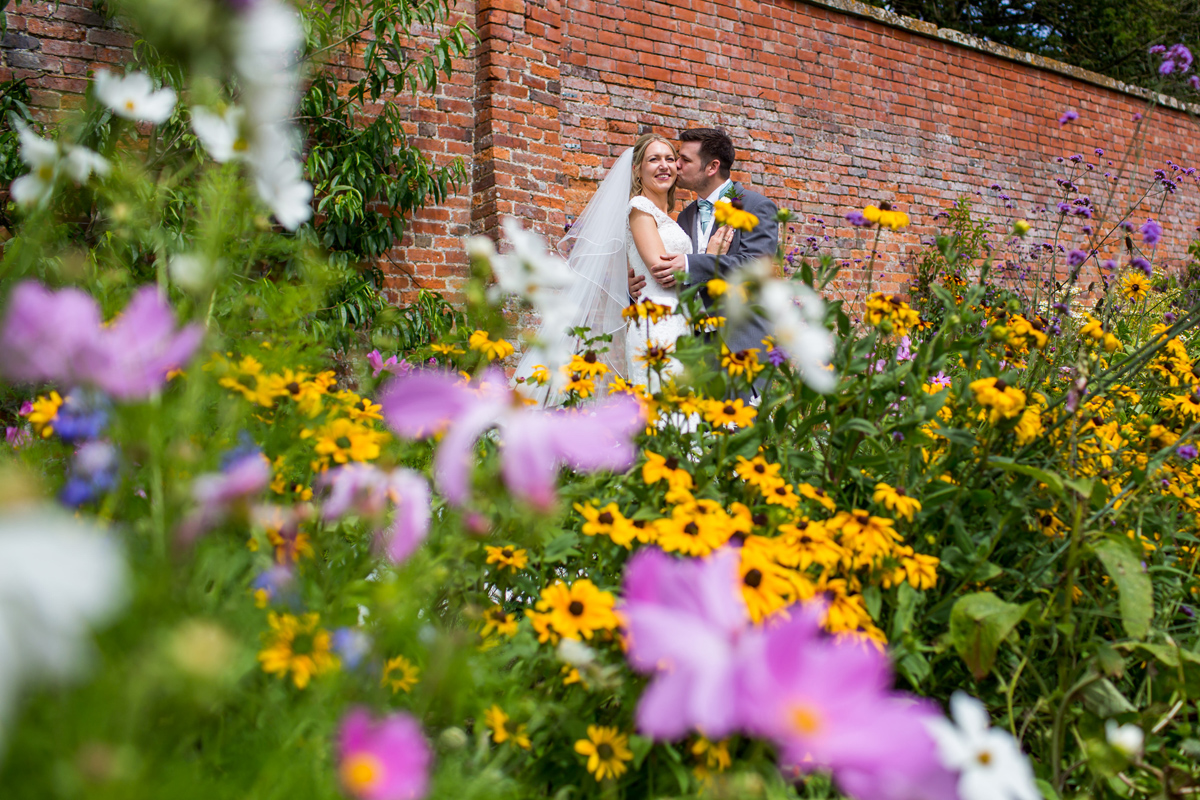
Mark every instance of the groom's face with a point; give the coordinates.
(693, 172)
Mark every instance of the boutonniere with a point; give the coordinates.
(732, 194)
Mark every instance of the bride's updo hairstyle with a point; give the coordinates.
(639, 153)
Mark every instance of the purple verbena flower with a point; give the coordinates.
(857, 219)
(1186, 451)
(1067, 116)
(1142, 265)
(1076, 258)
(1151, 232)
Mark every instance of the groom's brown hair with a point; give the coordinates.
(715, 145)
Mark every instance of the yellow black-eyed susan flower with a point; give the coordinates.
(579, 609)
(497, 722)
(498, 620)
(491, 349)
(758, 472)
(897, 500)
(742, 362)
(587, 364)
(298, 646)
(729, 412)
(606, 751)
(515, 559)
(400, 674)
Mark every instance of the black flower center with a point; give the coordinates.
(343, 443)
(605, 518)
(293, 388)
(753, 578)
(576, 608)
(507, 552)
(590, 356)
(1001, 385)
(761, 469)
(691, 529)
(604, 750)
(672, 463)
(730, 410)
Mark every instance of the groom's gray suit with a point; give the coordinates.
(762, 242)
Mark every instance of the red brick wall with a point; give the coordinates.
(832, 106)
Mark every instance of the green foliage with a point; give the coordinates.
(1105, 36)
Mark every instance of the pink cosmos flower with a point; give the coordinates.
(393, 364)
(828, 704)
(142, 346)
(58, 336)
(685, 619)
(367, 490)
(384, 760)
(535, 442)
(217, 493)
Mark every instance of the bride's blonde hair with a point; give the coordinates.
(639, 153)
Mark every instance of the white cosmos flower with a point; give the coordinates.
(267, 41)
(223, 135)
(529, 270)
(45, 159)
(279, 178)
(797, 319)
(42, 157)
(1126, 738)
(82, 162)
(133, 96)
(59, 578)
(988, 760)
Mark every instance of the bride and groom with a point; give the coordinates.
(625, 247)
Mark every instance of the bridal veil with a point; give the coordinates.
(595, 250)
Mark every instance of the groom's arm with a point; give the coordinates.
(762, 242)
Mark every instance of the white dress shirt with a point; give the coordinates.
(701, 236)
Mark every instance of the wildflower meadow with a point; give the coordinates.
(938, 544)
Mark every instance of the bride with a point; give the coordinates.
(626, 225)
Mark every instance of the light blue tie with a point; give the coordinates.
(706, 215)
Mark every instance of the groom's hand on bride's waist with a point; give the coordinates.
(636, 284)
(664, 271)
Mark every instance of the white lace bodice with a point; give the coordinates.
(675, 241)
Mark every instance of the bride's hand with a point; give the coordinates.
(718, 243)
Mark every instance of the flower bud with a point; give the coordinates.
(1021, 227)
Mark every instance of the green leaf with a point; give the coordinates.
(978, 623)
(1136, 594)
(859, 424)
(1104, 700)
(640, 747)
(1052, 481)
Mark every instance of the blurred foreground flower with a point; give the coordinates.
(58, 336)
(684, 620)
(988, 759)
(59, 578)
(367, 490)
(46, 160)
(384, 760)
(218, 493)
(134, 97)
(535, 442)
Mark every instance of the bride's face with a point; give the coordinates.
(659, 168)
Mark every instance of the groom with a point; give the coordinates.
(706, 157)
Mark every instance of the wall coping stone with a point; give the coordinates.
(928, 29)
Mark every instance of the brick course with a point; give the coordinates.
(832, 106)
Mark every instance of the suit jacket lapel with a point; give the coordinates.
(687, 221)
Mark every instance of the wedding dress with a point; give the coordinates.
(642, 334)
